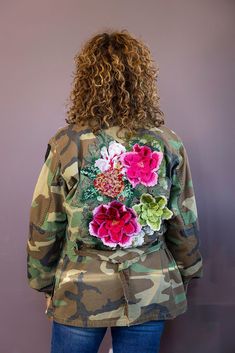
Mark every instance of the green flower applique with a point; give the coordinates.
(152, 211)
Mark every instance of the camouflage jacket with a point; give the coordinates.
(113, 229)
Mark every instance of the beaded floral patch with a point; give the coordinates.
(120, 184)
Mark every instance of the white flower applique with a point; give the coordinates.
(110, 157)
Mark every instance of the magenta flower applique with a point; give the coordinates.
(141, 165)
(114, 223)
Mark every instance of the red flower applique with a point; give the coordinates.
(114, 223)
(110, 182)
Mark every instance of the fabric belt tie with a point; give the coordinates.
(124, 258)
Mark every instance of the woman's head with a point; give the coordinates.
(114, 84)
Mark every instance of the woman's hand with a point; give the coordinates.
(186, 286)
(48, 300)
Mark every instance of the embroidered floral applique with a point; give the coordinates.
(139, 238)
(122, 212)
(152, 211)
(114, 223)
(110, 182)
(110, 157)
(141, 165)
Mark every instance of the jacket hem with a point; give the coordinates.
(121, 322)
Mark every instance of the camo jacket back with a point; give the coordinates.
(113, 229)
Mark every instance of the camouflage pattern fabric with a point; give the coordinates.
(93, 284)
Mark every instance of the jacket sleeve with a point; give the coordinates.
(182, 235)
(47, 224)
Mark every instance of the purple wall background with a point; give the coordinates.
(192, 41)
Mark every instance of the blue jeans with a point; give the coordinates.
(141, 338)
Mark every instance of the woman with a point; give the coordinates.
(113, 239)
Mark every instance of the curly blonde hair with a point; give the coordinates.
(114, 84)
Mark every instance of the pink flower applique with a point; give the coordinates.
(141, 165)
(114, 223)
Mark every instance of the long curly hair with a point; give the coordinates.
(114, 84)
